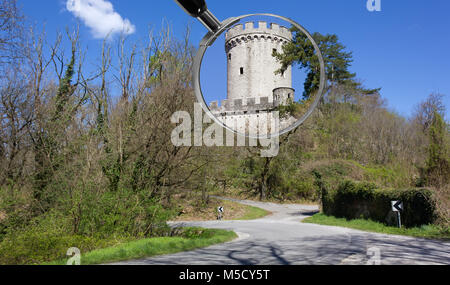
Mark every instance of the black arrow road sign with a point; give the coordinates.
(397, 206)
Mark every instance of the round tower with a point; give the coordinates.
(283, 96)
(251, 65)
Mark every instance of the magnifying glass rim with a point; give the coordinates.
(209, 40)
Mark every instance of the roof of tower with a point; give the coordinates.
(273, 30)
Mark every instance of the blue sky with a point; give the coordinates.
(404, 49)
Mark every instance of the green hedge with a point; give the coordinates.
(354, 200)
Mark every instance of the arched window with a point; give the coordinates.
(229, 56)
(242, 70)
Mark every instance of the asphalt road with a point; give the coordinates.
(281, 239)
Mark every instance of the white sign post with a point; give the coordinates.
(397, 206)
(220, 211)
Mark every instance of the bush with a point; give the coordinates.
(87, 222)
(292, 186)
(353, 200)
(34, 246)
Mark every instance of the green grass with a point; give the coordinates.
(427, 231)
(152, 247)
(253, 213)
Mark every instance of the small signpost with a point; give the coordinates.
(220, 211)
(397, 206)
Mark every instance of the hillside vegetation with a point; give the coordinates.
(86, 157)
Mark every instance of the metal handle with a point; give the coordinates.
(198, 9)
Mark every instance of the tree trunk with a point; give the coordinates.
(263, 191)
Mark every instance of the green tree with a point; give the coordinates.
(337, 61)
(438, 166)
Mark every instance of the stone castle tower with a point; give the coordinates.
(254, 90)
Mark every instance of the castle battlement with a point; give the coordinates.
(240, 106)
(248, 31)
(281, 96)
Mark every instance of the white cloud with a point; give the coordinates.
(100, 17)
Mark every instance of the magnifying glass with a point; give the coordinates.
(256, 93)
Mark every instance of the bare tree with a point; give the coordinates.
(424, 112)
(11, 34)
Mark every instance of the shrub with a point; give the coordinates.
(41, 243)
(87, 222)
(292, 186)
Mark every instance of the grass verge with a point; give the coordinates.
(198, 238)
(253, 213)
(233, 211)
(426, 231)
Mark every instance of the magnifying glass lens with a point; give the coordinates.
(251, 81)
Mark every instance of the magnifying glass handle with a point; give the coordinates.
(198, 9)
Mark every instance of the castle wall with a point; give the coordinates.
(252, 124)
(259, 124)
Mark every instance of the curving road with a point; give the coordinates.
(281, 239)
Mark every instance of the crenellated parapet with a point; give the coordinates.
(249, 32)
(262, 28)
(239, 106)
(281, 96)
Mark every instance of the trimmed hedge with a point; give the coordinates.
(354, 200)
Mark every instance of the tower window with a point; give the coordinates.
(229, 56)
(274, 50)
(242, 70)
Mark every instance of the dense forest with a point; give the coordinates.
(79, 165)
